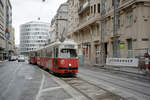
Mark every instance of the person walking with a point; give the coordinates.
(147, 63)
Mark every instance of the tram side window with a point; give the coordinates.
(35, 54)
(49, 52)
(46, 53)
(55, 52)
(38, 54)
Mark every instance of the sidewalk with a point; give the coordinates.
(134, 70)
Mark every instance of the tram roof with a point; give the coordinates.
(65, 42)
(58, 43)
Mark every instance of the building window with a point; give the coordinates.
(105, 28)
(113, 2)
(105, 4)
(129, 41)
(129, 17)
(94, 9)
(1, 4)
(99, 8)
(91, 9)
(119, 22)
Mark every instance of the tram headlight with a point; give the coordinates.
(70, 65)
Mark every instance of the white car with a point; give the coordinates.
(21, 58)
(12, 58)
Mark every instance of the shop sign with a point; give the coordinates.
(122, 45)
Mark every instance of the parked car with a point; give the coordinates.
(21, 58)
(12, 58)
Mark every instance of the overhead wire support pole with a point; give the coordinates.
(102, 54)
(116, 47)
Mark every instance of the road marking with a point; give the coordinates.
(28, 78)
(70, 99)
(41, 86)
(73, 92)
(50, 89)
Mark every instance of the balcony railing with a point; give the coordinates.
(84, 6)
(125, 1)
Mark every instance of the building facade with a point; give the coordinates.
(6, 45)
(59, 23)
(33, 35)
(133, 28)
(2, 25)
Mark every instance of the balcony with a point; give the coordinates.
(125, 1)
(84, 6)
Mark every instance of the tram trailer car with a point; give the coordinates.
(59, 57)
(33, 57)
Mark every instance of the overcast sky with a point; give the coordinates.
(29, 10)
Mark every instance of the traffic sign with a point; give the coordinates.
(7, 35)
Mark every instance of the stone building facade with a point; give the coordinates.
(2, 25)
(133, 27)
(59, 23)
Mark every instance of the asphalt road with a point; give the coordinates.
(122, 85)
(22, 81)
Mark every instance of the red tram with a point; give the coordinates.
(33, 57)
(58, 57)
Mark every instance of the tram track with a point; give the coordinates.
(94, 91)
(129, 74)
(124, 74)
(118, 84)
(128, 81)
(91, 91)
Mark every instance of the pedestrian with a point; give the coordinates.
(147, 63)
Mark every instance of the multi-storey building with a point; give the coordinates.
(6, 47)
(133, 27)
(53, 30)
(59, 23)
(33, 35)
(2, 25)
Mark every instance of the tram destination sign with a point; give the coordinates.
(69, 46)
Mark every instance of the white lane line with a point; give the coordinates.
(50, 89)
(41, 86)
(74, 93)
(70, 99)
